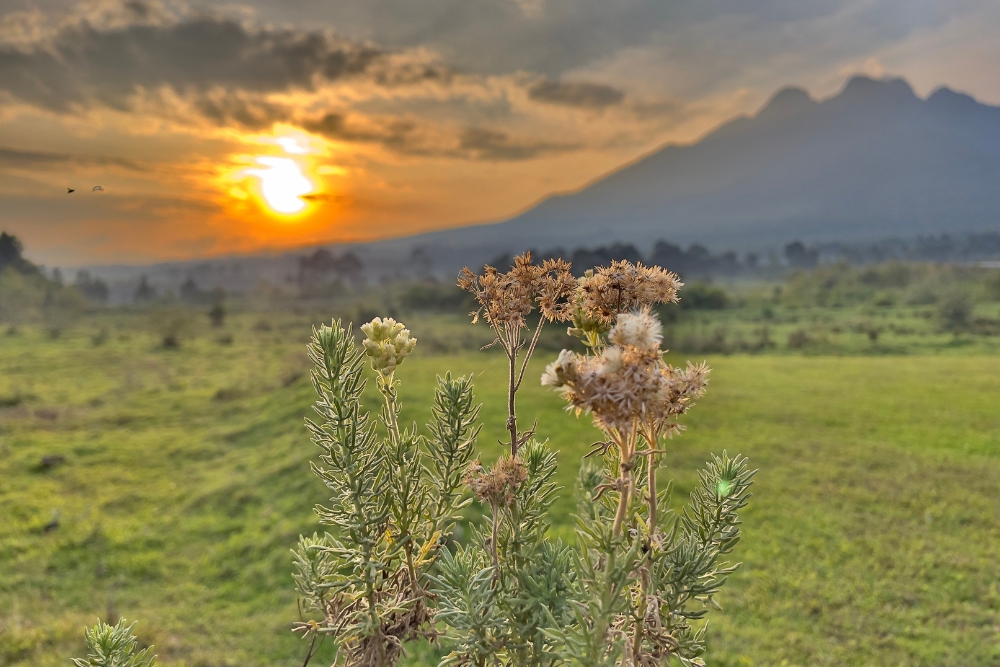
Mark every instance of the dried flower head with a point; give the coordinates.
(560, 371)
(497, 485)
(638, 330)
(506, 299)
(623, 287)
(628, 381)
(387, 342)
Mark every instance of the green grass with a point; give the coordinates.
(873, 537)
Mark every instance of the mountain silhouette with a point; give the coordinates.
(872, 162)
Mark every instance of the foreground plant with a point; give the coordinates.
(395, 498)
(640, 579)
(114, 646)
(634, 589)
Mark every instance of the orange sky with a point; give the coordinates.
(183, 117)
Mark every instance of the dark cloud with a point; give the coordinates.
(484, 144)
(20, 158)
(82, 64)
(407, 137)
(233, 108)
(546, 36)
(582, 95)
(397, 134)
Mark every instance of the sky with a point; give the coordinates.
(219, 128)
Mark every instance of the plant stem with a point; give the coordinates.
(651, 483)
(493, 539)
(511, 391)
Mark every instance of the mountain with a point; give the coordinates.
(874, 161)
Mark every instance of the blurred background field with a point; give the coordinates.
(153, 462)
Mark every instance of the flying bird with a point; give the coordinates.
(70, 190)
(98, 188)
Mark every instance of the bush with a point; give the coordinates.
(700, 296)
(388, 570)
(798, 339)
(955, 311)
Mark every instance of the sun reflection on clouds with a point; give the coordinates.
(282, 183)
(279, 175)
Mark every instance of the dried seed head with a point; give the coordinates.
(640, 330)
(560, 371)
(497, 485)
(507, 298)
(623, 287)
(628, 380)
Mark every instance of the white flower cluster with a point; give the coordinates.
(387, 342)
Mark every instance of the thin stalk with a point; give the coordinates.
(531, 349)
(511, 391)
(493, 539)
(624, 482)
(392, 427)
(409, 565)
(651, 483)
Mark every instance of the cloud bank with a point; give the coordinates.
(419, 113)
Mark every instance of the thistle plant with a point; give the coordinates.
(625, 595)
(634, 589)
(505, 301)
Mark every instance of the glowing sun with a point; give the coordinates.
(282, 183)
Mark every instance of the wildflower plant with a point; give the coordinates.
(634, 589)
(114, 646)
(395, 498)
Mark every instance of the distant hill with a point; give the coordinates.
(872, 162)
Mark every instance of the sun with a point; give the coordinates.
(282, 183)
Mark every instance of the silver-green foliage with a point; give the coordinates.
(394, 500)
(504, 611)
(114, 646)
(636, 587)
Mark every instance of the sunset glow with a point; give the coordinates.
(282, 184)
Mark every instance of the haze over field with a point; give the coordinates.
(265, 127)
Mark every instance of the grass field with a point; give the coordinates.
(873, 537)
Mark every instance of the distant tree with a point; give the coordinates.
(955, 311)
(314, 268)
(144, 292)
(993, 286)
(727, 263)
(700, 296)
(350, 268)
(189, 291)
(422, 261)
(669, 255)
(11, 250)
(93, 288)
(801, 257)
(217, 315)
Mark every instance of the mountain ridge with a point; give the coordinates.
(874, 160)
(871, 162)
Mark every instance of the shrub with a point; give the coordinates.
(798, 339)
(955, 311)
(636, 586)
(217, 315)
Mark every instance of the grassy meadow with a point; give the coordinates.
(873, 537)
